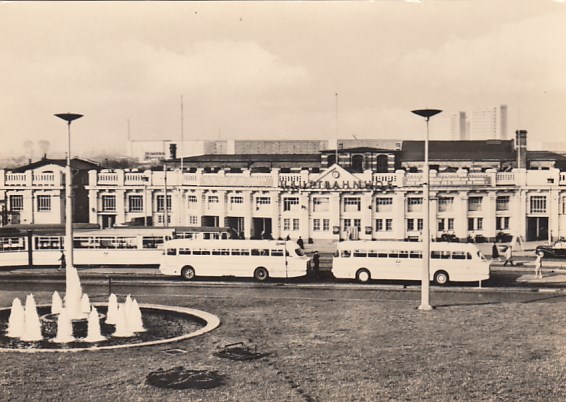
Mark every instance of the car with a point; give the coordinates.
(556, 250)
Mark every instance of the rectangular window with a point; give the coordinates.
(192, 199)
(379, 225)
(352, 204)
(470, 223)
(193, 220)
(474, 204)
(388, 225)
(347, 224)
(441, 226)
(384, 204)
(316, 225)
(213, 201)
(502, 203)
(420, 224)
(295, 224)
(502, 223)
(320, 204)
(44, 203)
(109, 203)
(414, 204)
(262, 201)
(160, 203)
(236, 200)
(445, 204)
(410, 225)
(538, 204)
(135, 203)
(16, 203)
(160, 219)
(475, 223)
(479, 223)
(358, 224)
(286, 224)
(289, 202)
(450, 223)
(326, 225)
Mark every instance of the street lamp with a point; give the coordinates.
(69, 117)
(425, 279)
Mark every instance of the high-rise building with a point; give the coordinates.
(489, 123)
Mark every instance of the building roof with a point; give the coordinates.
(545, 156)
(232, 158)
(413, 151)
(358, 150)
(76, 163)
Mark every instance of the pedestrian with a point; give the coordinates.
(509, 256)
(288, 238)
(316, 264)
(538, 266)
(301, 243)
(63, 263)
(495, 253)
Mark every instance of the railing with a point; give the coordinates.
(135, 179)
(505, 178)
(15, 179)
(236, 180)
(108, 178)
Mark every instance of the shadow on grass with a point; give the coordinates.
(545, 298)
(488, 303)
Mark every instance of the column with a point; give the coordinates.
(490, 211)
(120, 206)
(461, 215)
(275, 215)
(248, 208)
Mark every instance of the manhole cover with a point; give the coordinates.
(181, 378)
(239, 351)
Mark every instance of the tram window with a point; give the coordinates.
(171, 251)
(277, 253)
(360, 253)
(403, 254)
(458, 255)
(415, 254)
(184, 251)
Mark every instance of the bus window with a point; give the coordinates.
(415, 254)
(300, 252)
(403, 254)
(393, 254)
(197, 251)
(184, 251)
(445, 255)
(264, 252)
(277, 253)
(215, 251)
(171, 251)
(345, 253)
(236, 251)
(255, 251)
(468, 256)
(245, 251)
(360, 253)
(382, 254)
(205, 252)
(224, 251)
(458, 255)
(435, 254)
(372, 253)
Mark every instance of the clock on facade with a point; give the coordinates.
(336, 174)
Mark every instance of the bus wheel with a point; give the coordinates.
(261, 274)
(363, 275)
(188, 273)
(441, 278)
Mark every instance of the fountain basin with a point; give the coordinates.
(163, 324)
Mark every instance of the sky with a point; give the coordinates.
(271, 70)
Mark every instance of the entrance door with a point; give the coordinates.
(537, 228)
(261, 228)
(108, 221)
(235, 223)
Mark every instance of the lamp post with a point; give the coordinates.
(69, 117)
(425, 279)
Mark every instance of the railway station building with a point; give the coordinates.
(480, 189)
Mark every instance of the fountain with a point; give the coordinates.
(135, 321)
(122, 328)
(64, 328)
(94, 334)
(56, 303)
(32, 325)
(16, 321)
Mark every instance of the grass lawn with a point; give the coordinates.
(324, 350)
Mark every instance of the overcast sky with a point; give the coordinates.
(271, 70)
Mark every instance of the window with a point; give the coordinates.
(383, 225)
(160, 203)
(289, 202)
(316, 225)
(193, 220)
(450, 223)
(44, 203)
(410, 225)
(388, 225)
(286, 224)
(192, 201)
(358, 224)
(474, 203)
(445, 204)
(109, 203)
(414, 204)
(420, 224)
(502, 203)
(379, 225)
(262, 201)
(475, 223)
(213, 201)
(347, 224)
(295, 224)
(502, 222)
(441, 225)
(538, 204)
(326, 225)
(352, 204)
(383, 204)
(320, 204)
(135, 203)
(160, 219)
(236, 200)
(16, 203)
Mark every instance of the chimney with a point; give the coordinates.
(521, 148)
(173, 151)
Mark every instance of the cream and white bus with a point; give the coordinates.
(259, 259)
(399, 260)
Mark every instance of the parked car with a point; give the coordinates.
(556, 250)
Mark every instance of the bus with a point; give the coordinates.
(136, 246)
(399, 260)
(259, 259)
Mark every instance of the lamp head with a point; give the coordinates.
(426, 113)
(69, 117)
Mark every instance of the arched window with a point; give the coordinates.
(331, 160)
(358, 163)
(381, 164)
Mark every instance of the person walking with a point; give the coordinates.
(301, 243)
(495, 253)
(538, 266)
(509, 256)
(316, 264)
(63, 261)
